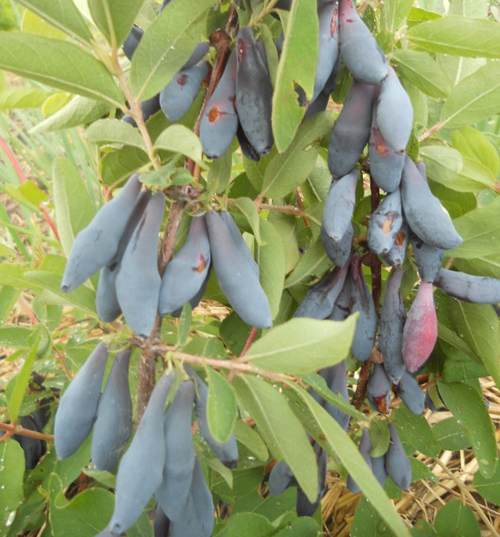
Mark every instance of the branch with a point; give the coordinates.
(231, 365)
(268, 8)
(136, 111)
(18, 429)
(146, 369)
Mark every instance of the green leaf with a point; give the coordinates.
(303, 345)
(489, 488)
(252, 440)
(475, 98)
(456, 520)
(448, 167)
(459, 36)
(83, 297)
(470, 8)
(318, 383)
(167, 45)
(85, 515)
(185, 321)
(249, 210)
(281, 429)
(337, 443)
(115, 18)
(480, 230)
(295, 78)
(11, 478)
(468, 407)
(314, 262)
(368, 523)
(180, 139)
(222, 406)
(478, 326)
(271, 258)
(114, 131)
(74, 207)
(247, 525)
(380, 437)
(14, 336)
(23, 97)
(22, 381)
(423, 529)
(423, 71)
(59, 64)
(62, 14)
(475, 146)
(288, 170)
(451, 435)
(78, 111)
(416, 431)
(302, 527)
(394, 13)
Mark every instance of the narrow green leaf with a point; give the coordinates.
(252, 440)
(303, 345)
(22, 381)
(295, 76)
(11, 479)
(423, 71)
(460, 36)
(59, 64)
(318, 383)
(478, 326)
(468, 407)
(74, 207)
(180, 139)
(62, 14)
(78, 111)
(475, 98)
(222, 406)
(288, 170)
(271, 259)
(456, 519)
(115, 18)
(114, 131)
(337, 443)
(280, 427)
(185, 321)
(167, 45)
(314, 262)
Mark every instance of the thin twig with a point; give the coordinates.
(13, 429)
(22, 179)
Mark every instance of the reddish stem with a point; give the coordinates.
(12, 429)
(22, 178)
